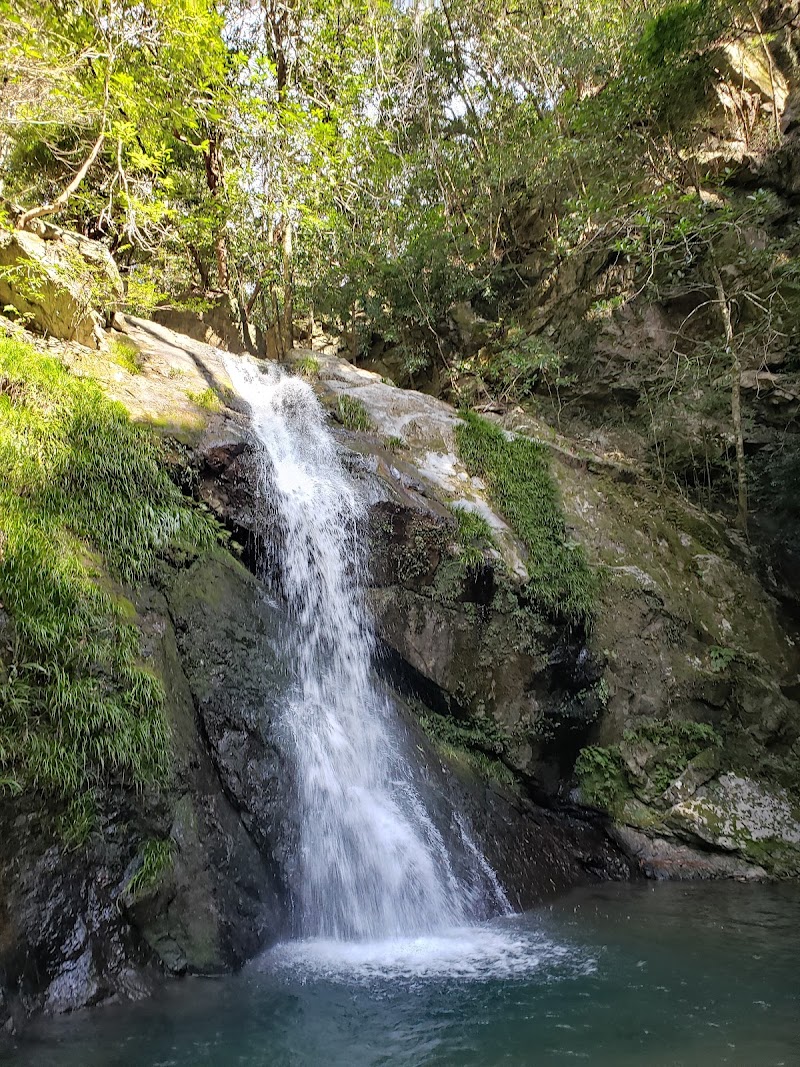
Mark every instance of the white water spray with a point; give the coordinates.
(372, 864)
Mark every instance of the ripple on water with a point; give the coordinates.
(484, 953)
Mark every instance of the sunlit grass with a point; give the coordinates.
(84, 505)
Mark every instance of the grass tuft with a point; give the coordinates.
(516, 472)
(84, 503)
(206, 399)
(125, 354)
(353, 415)
(308, 367)
(392, 443)
(155, 860)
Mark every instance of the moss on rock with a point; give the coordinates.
(84, 504)
(517, 475)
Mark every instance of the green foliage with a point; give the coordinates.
(84, 501)
(308, 367)
(155, 860)
(677, 742)
(478, 742)
(206, 399)
(683, 734)
(517, 475)
(352, 414)
(520, 364)
(138, 81)
(26, 278)
(143, 292)
(674, 31)
(721, 658)
(606, 780)
(474, 536)
(601, 776)
(405, 175)
(125, 353)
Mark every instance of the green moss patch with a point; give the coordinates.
(645, 763)
(516, 472)
(84, 504)
(206, 399)
(475, 745)
(474, 536)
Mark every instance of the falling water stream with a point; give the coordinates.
(372, 864)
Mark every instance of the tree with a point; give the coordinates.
(122, 85)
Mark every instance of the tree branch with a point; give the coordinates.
(63, 197)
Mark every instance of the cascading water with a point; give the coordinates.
(372, 864)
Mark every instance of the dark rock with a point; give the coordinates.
(228, 634)
(73, 933)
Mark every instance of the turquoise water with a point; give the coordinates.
(663, 974)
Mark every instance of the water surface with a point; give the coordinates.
(614, 975)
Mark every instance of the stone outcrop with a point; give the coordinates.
(684, 631)
(104, 919)
(500, 699)
(213, 319)
(58, 282)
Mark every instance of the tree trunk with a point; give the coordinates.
(200, 267)
(736, 401)
(288, 282)
(353, 334)
(277, 320)
(214, 180)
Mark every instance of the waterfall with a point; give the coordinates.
(371, 862)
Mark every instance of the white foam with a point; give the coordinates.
(466, 954)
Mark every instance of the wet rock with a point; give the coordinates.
(664, 857)
(228, 635)
(222, 900)
(73, 931)
(64, 944)
(698, 771)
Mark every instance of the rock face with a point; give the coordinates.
(77, 926)
(214, 323)
(192, 879)
(684, 632)
(60, 283)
